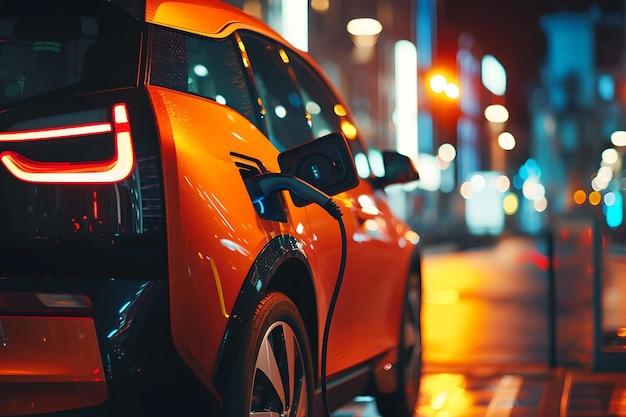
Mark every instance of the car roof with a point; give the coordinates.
(211, 18)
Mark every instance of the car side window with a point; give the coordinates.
(326, 113)
(205, 67)
(285, 116)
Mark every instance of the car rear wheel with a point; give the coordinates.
(274, 376)
(402, 401)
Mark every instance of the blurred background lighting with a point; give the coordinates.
(605, 174)
(615, 210)
(438, 83)
(503, 183)
(609, 198)
(477, 182)
(610, 156)
(430, 173)
(533, 190)
(295, 22)
(452, 90)
(406, 98)
(447, 152)
(540, 204)
(599, 184)
(493, 75)
(466, 190)
(364, 31)
(496, 113)
(362, 165)
(606, 87)
(376, 163)
(580, 197)
(320, 6)
(530, 168)
(618, 138)
(510, 204)
(506, 141)
(484, 212)
(443, 165)
(253, 8)
(595, 198)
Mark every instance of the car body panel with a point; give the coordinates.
(209, 18)
(195, 263)
(222, 255)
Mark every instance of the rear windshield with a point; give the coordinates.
(50, 46)
(67, 65)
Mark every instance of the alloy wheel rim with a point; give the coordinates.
(279, 388)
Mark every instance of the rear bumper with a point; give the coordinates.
(112, 358)
(49, 364)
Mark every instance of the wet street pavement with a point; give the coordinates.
(557, 393)
(497, 344)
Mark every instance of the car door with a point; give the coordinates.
(371, 297)
(289, 109)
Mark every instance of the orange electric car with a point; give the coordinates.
(190, 222)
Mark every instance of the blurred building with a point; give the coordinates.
(578, 116)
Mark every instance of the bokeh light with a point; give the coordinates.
(496, 113)
(610, 156)
(595, 198)
(438, 83)
(447, 152)
(618, 138)
(580, 196)
(320, 6)
(452, 90)
(510, 204)
(503, 183)
(506, 141)
(466, 190)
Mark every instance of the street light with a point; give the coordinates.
(439, 83)
(364, 31)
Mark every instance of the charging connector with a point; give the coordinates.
(262, 185)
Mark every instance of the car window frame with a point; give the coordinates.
(281, 53)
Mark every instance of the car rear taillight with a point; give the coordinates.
(110, 170)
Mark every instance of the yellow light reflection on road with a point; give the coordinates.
(441, 297)
(443, 395)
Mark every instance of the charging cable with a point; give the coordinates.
(262, 185)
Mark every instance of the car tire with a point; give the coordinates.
(275, 372)
(402, 401)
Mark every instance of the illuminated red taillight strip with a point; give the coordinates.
(55, 133)
(108, 171)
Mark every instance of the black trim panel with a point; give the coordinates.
(275, 253)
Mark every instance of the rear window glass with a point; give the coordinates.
(209, 68)
(48, 46)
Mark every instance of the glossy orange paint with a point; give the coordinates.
(211, 18)
(49, 364)
(210, 253)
